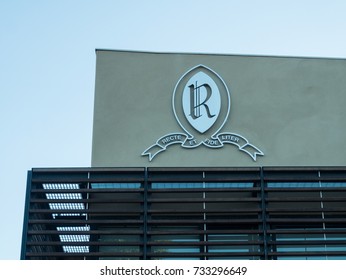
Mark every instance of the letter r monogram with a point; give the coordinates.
(196, 102)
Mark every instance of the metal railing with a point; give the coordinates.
(185, 213)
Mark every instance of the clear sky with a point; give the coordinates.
(47, 67)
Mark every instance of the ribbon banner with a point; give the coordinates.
(215, 142)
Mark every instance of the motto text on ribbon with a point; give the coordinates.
(215, 142)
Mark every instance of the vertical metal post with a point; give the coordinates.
(88, 187)
(205, 248)
(145, 214)
(26, 216)
(264, 216)
(322, 214)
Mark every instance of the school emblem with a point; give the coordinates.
(201, 105)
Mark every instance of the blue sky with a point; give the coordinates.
(47, 69)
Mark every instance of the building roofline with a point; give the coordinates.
(216, 54)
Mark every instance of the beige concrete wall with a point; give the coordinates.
(292, 109)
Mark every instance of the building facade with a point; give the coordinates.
(201, 157)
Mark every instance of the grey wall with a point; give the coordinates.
(292, 109)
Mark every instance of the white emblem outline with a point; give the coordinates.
(216, 140)
(228, 101)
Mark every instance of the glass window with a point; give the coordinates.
(333, 184)
(115, 185)
(176, 185)
(190, 185)
(233, 248)
(230, 185)
(119, 243)
(293, 184)
(174, 240)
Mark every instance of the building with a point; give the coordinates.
(201, 156)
